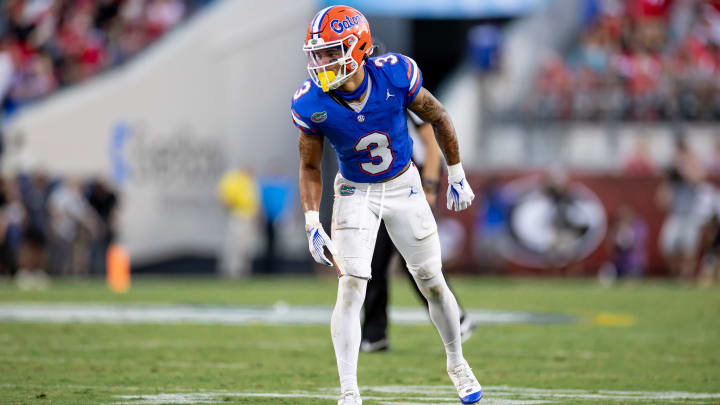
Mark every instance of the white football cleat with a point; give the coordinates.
(467, 386)
(350, 398)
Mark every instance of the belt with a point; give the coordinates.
(399, 174)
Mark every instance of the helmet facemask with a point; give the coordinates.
(331, 64)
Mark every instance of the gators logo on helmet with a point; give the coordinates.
(338, 42)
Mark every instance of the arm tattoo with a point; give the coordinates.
(310, 148)
(427, 107)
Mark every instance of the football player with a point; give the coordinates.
(358, 103)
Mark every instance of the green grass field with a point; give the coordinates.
(662, 349)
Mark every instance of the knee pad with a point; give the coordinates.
(432, 288)
(428, 269)
(359, 267)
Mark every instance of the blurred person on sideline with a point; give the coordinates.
(680, 195)
(710, 263)
(17, 160)
(15, 239)
(491, 224)
(35, 194)
(626, 245)
(11, 217)
(73, 224)
(428, 158)
(238, 193)
(713, 167)
(568, 223)
(275, 189)
(104, 201)
(7, 267)
(358, 103)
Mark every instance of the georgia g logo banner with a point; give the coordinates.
(552, 224)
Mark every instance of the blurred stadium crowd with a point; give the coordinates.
(637, 59)
(49, 44)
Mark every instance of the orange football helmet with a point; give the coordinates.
(338, 42)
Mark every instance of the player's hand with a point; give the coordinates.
(318, 240)
(459, 193)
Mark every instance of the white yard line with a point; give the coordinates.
(396, 395)
(426, 395)
(485, 401)
(233, 315)
(134, 346)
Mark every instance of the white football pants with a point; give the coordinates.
(401, 203)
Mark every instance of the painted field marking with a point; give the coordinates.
(397, 395)
(9, 349)
(426, 395)
(612, 319)
(279, 314)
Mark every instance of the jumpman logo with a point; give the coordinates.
(412, 192)
(388, 94)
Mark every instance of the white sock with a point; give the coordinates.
(345, 329)
(445, 314)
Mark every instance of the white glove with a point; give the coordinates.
(317, 238)
(459, 193)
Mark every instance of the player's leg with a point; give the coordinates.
(354, 228)
(466, 324)
(345, 330)
(375, 323)
(422, 255)
(444, 313)
(412, 228)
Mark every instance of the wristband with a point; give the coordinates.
(456, 170)
(312, 217)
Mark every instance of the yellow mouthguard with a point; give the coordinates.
(325, 79)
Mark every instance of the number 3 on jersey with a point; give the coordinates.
(381, 157)
(382, 60)
(302, 90)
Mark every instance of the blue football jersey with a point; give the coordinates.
(371, 145)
